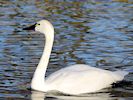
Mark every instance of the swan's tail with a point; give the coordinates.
(120, 75)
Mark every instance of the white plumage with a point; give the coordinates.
(75, 79)
(81, 78)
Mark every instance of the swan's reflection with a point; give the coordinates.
(36, 95)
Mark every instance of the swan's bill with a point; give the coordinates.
(32, 27)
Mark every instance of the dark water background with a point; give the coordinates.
(94, 32)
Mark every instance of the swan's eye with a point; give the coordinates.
(37, 24)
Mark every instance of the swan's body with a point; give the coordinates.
(75, 79)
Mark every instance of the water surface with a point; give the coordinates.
(94, 32)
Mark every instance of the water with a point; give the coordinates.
(94, 32)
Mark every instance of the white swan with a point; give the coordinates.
(75, 79)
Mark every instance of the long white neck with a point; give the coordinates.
(38, 80)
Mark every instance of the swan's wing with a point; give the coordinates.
(76, 79)
(67, 70)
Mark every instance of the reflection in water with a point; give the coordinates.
(43, 96)
(94, 32)
(37, 95)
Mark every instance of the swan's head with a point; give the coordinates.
(42, 26)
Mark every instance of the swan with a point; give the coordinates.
(75, 79)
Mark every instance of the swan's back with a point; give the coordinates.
(80, 78)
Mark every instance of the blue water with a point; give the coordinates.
(94, 32)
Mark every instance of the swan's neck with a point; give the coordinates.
(38, 80)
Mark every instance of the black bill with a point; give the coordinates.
(30, 27)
